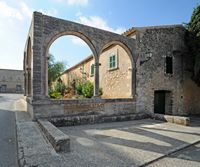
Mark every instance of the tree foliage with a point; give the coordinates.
(54, 69)
(193, 41)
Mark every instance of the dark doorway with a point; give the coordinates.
(159, 102)
(163, 102)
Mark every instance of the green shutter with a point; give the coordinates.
(92, 69)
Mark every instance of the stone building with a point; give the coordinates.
(145, 70)
(11, 81)
(114, 72)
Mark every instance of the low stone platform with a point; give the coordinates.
(181, 120)
(57, 138)
(94, 119)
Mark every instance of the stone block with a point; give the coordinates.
(59, 140)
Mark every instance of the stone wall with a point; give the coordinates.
(60, 109)
(151, 71)
(13, 79)
(190, 89)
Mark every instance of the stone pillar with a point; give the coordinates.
(25, 83)
(96, 79)
(133, 82)
(29, 83)
(37, 56)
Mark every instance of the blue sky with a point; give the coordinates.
(112, 15)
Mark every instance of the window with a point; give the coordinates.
(113, 61)
(169, 65)
(92, 70)
(3, 88)
(18, 88)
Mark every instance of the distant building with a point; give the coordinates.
(11, 81)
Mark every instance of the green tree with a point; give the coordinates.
(193, 42)
(55, 68)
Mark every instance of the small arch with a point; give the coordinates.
(131, 72)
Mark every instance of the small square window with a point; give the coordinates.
(113, 61)
(92, 70)
(18, 88)
(3, 88)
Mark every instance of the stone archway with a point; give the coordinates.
(73, 33)
(132, 63)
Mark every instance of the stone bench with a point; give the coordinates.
(181, 120)
(59, 140)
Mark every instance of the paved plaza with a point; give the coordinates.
(132, 143)
(144, 142)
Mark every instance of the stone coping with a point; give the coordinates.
(94, 119)
(79, 101)
(59, 140)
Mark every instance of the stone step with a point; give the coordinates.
(93, 119)
(57, 138)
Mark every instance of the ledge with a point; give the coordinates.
(181, 120)
(82, 101)
(57, 138)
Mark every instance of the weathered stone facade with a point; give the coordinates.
(160, 42)
(11, 81)
(149, 51)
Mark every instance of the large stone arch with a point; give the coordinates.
(133, 63)
(57, 35)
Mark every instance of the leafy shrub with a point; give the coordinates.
(60, 87)
(87, 89)
(50, 90)
(100, 91)
(55, 95)
(79, 89)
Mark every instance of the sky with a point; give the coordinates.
(112, 15)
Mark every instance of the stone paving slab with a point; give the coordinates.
(33, 149)
(188, 157)
(132, 143)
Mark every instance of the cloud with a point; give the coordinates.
(14, 22)
(77, 2)
(51, 12)
(98, 22)
(26, 10)
(74, 2)
(9, 12)
(78, 41)
(94, 21)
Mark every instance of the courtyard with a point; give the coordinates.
(131, 143)
(143, 142)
